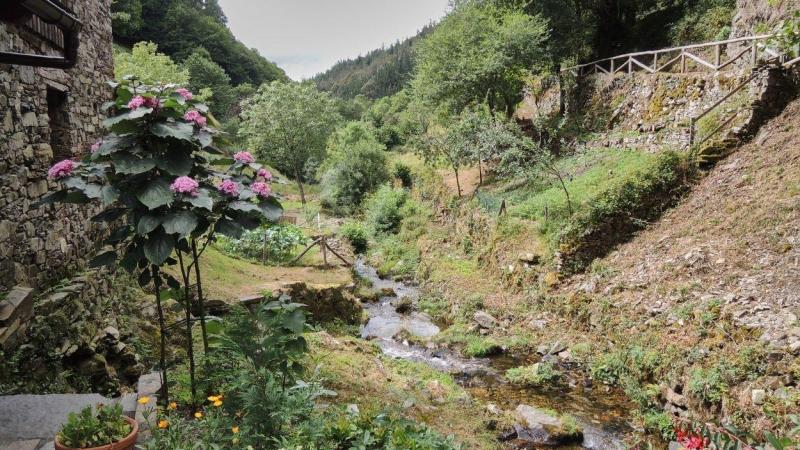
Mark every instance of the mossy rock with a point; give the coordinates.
(544, 427)
(326, 303)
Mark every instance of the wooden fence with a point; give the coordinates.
(705, 56)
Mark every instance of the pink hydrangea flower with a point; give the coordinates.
(265, 174)
(244, 157)
(152, 102)
(261, 189)
(185, 185)
(185, 93)
(136, 102)
(61, 169)
(196, 117)
(96, 145)
(228, 187)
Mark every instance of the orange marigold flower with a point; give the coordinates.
(172, 405)
(235, 430)
(198, 415)
(144, 400)
(218, 403)
(163, 424)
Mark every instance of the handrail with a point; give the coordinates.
(672, 49)
(693, 121)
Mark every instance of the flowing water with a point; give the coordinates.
(603, 415)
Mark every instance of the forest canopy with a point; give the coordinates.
(180, 27)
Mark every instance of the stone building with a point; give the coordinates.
(46, 115)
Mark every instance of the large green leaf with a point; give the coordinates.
(93, 191)
(205, 138)
(271, 209)
(244, 206)
(175, 162)
(109, 194)
(137, 113)
(177, 130)
(158, 247)
(109, 215)
(148, 223)
(114, 143)
(104, 259)
(181, 223)
(201, 200)
(55, 197)
(230, 228)
(129, 164)
(154, 194)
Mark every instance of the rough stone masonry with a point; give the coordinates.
(47, 115)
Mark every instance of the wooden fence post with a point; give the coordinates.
(717, 57)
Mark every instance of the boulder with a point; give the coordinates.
(403, 305)
(484, 319)
(540, 427)
(324, 303)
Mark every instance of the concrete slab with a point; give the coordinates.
(28, 417)
(30, 444)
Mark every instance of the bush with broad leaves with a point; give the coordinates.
(155, 174)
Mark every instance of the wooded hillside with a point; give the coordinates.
(180, 27)
(379, 73)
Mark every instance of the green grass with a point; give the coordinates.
(536, 375)
(587, 176)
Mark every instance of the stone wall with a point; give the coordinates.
(47, 115)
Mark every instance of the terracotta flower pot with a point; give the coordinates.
(125, 444)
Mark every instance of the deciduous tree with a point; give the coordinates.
(288, 125)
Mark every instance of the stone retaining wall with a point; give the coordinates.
(47, 115)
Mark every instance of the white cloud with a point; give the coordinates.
(306, 37)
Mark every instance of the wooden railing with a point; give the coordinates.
(665, 60)
(697, 141)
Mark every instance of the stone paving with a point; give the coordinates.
(30, 422)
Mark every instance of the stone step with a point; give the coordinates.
(39, 417)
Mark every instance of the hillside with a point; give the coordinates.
(180, 27)
(379, 73)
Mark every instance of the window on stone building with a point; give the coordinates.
(58, 113)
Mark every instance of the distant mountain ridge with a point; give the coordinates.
(379, 73)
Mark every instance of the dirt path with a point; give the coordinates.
(469, 178)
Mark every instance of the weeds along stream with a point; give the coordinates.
(603, 415)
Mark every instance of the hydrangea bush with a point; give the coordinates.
(155, 175)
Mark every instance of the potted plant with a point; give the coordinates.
(100, 428)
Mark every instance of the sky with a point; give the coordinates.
(306, 37)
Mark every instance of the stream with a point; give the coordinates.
(603, 415)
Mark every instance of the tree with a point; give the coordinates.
(162, 198)
(448, 144)
(126, 16)
(360, 171)
(205, 73)
(148, 66)
(480, 51)
(288, 125)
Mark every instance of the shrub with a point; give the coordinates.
(355, 167)
(371, 432)
(273, 244)
(661, 423)
(354, 173)
(356, 234)
(707, 385)
(383, 209)
(403, 173)
(89, 428)
(539, 374)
